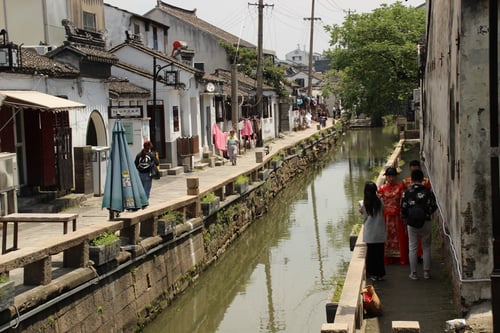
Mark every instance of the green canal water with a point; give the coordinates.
(279, 274)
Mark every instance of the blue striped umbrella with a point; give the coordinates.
(123, 189)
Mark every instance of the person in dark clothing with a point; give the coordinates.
(145, 161)
(419, 197)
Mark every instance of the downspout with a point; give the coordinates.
(494, 162)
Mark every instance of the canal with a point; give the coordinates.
(279, 274)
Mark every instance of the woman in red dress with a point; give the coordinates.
(396, 245)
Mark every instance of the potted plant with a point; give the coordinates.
(276, 161)
(7, 292)
(104, 248)
(241, 184)
(168, 221)
(209, 203)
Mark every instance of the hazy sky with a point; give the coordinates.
(284, 27)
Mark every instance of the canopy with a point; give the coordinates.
(37, 100)
(123, 188)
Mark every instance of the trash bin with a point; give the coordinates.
(100, 157)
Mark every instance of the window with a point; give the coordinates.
(89, 21)
(300, 82)
(175, 112)
(155, 39)
(137, 29)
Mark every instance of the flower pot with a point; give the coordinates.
(208, 208)
(166, 227)
(7, 293)
(102, 254)
(264, 174)
(241, 188)
(276, 164)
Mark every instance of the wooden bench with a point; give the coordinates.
(17, 218)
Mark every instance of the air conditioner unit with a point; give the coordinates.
(8, 171)
(40, 49)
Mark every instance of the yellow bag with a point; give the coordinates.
(371, 301)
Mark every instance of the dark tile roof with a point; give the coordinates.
(244, 81)
(189, 16)
(33, 63)
(122, 88)
(92, 54)
(158, 55)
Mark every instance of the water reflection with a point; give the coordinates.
(279, 274)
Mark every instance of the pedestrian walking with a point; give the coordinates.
(417, 206)
(146, 163)
(396, 245)
(374, 234)
(232, 147)
(407, 182)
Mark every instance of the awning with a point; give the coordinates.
(37, 100)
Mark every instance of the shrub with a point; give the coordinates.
(241, 179)
(104, 239)
(209, 197)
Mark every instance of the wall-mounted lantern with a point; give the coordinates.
(9, 52)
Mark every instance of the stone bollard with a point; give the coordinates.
(405, 327)
(318, 127)
(193, 186)
(259, 156)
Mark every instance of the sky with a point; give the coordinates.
(284, 26)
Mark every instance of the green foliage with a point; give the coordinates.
(209, 197)
(4, 278)
(104, 239)
(100, 309)
(241, 179)
(374, 58)
(173, 215)
(276, 158)
(246, 58)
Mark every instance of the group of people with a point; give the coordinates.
(397, 222)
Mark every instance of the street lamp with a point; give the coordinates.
(170, 78)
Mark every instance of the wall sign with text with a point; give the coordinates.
(125, 112)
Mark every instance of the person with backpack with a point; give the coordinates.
(374, 234)
(145, 161)
(417, 206)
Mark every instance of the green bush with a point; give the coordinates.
(209, 197)
(241, 179)
(104, 239)
(4, 278)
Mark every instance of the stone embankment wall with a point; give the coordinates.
(123, 295)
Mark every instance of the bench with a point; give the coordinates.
(17, 218)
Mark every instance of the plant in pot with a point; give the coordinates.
(209, 203)
(104, 248)
(241, 184)
(168, 221)
(7, 292)
(276, 161)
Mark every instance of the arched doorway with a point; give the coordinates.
(96, 130)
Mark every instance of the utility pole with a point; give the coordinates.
(309, 76)
(260, 65)
(234, 97)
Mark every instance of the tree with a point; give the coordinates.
(374, 58)
(273, 76)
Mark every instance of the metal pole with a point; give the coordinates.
(234, 98)
(309, 77)
(154, 96)
(494, 162)
(260, 57)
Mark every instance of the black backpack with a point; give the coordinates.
(145, 163)
(416, 216)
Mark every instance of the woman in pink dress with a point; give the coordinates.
(396, 245)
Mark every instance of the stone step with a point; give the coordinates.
(175, 171)
(201, 165)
